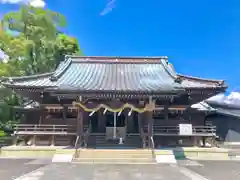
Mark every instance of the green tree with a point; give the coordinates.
(39, 31)
(32, 39)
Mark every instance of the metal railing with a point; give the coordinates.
(76, 147)
(152, 147)
(207, 130)
(43, 128)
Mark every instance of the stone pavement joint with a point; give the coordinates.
(190, 174)
(34, 175)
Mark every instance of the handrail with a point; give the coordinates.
(152, 147)
(175, 129)
(75, 147)
(36, 128)
(152, 142)
(178, 126)
(42, 125)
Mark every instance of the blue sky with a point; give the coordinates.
(201, 38)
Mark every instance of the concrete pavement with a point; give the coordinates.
(44, 169)
(13, 168)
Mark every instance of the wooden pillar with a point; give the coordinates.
(150, 127)
(79, 124)
(53, 140)
(165, 111)
(140, 125)
(41, 118)
(64, 113)
(34, 140)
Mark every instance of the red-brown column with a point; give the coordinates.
(80, 125)
(150, 127)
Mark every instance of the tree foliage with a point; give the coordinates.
(34, 40)
(42, 43)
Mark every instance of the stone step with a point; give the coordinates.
(132, 151)
(65, 151)
(62, 158)
(63, 155)
(114, 154)
(168, 159)
(115, 161)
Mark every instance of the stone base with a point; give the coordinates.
(196, 153)
(29, 151)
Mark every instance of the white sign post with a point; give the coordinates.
(185, 129)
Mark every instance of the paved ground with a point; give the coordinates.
(218, 170)
(11, 169)
(184, 170)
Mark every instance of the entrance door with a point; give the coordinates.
(115, 126)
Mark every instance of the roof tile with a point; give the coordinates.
(114, 73)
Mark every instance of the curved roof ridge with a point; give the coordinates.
(19, 78)
(220, 82)
(169, 70)
(117, 59)
(63, 66)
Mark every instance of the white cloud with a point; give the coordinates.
(34, 3)
(38, 3)
(218, 98)
(109, 7)
(14, 1)
(232, 100)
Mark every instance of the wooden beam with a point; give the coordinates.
(172, 107)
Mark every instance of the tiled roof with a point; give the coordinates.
(114, 74)
(217, 108)
(229, 112)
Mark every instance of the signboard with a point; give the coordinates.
(185, 129)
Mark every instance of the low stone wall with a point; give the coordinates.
(197, 153)
(28, 152)
(179, 153)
